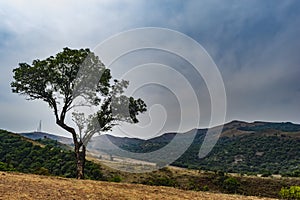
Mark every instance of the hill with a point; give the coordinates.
(259, 147)
(255, 148)
(24, 155)
(18, 153)
(42, 135)
(23, 186)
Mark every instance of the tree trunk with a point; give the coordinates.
(80, 160)
(79, 148)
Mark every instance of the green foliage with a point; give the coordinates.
(266, 174)
(44, 78)
(71, 74)
(251, 153)
(166, 170)
(292, 192)
(53, 143)
(251, 174)
(231, 185)
(42, 171)
(116, 178)
(285, 126)
(18, 154)
(280, 155)
(295, 173)
(205, 188)
(5, 167)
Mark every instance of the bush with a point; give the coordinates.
(116, 179)
(160, 181)
(296, 173)
(42, 171)
(231, 185)
(290, 193)
(5, 167)
(266, 174)
(205, 188)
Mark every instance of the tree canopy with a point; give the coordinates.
(73, 79)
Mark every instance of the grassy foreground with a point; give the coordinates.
(26, 186)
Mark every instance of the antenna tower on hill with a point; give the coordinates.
(39, 128)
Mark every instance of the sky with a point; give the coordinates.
(255, 45)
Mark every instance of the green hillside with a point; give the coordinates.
(47, 157)
(248, 154)
(259, 147)
(254, 148)
(23, 155)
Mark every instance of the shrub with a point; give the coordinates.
(160, 181)
(231, 184)
(220, 173)
(290, 193)
(266, 174)
(116, 179)
(42, 171)
(296, 173)
(205, 188)
(5, 167)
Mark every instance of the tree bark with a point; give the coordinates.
(80, 151)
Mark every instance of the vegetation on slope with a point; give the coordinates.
(248, 154)
(20, 154)
(218, 182)
(23, 155)
(253, 148)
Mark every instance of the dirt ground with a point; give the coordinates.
(25, 186)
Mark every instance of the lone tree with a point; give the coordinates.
(73, 79)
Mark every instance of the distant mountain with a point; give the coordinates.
(258, 147)
(235, 128)
(107, 143)
(43, 135)
(21, 154)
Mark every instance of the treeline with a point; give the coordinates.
(247, 148)
(46, 157)
(22, 155)
(248, 154)
(263, 152)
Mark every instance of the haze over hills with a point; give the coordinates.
(42, 135)
(231, 129)
(46, 157)
(257, 147)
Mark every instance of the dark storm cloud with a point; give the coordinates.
(254, 43)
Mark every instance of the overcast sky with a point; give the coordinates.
(254, 43)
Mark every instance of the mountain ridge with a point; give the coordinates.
(243, 147)
(232, 124)
(256, 147)
(42, 135)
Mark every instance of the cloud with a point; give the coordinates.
(254, 43)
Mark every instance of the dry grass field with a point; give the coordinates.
(26, 186)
